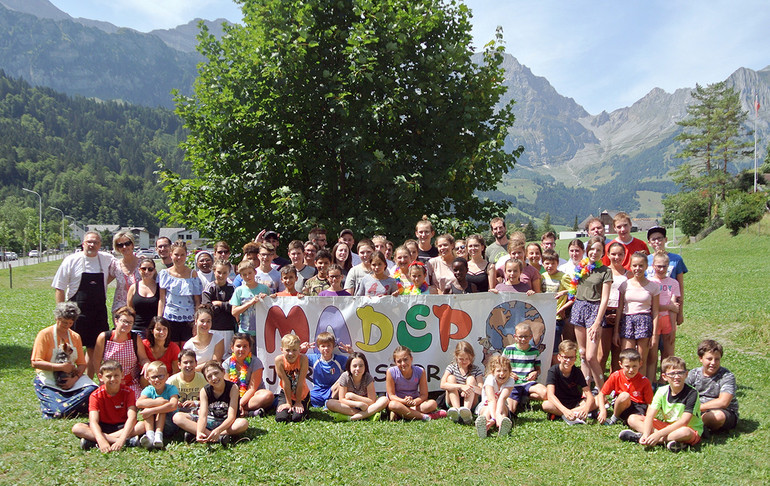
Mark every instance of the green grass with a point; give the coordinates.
(726, 299)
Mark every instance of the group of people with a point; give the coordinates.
(182, 342)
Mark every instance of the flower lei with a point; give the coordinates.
(582, 270)
(413, 290)
(239, 376)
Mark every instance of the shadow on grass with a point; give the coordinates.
(14, 356)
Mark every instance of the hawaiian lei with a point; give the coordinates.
(582, 270)
(239, 376)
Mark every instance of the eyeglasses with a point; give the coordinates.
(460, 247)
(156, 377)
(223, 252)
(574, 356)
(657, 238)
(675, 373)
(123, 244)
(528, 337)
(334, 276)
(146, 269)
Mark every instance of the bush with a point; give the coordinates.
(743, 209)
(689, 209)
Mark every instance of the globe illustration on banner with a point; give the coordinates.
(500, 327)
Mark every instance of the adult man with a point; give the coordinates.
(163, 249)
(82, 278)
(548, 241)
(500, 247)
(595, 227)
(318, 236)
(272, 238)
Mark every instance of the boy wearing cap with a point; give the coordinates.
(656, 236)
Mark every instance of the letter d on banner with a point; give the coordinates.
(371, 318)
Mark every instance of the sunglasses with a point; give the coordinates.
(124, 244)
(146, 269)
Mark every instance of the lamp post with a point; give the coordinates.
(62, 223)
(39, 223)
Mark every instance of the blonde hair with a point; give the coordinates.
(425, 223)
(567, 345)
(464, 347)
(156, 366)
(122, 234)
(673, 362)
(289, 341)
(498, 362)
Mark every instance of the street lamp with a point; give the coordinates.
(62, 223)
(39, 223)
(73, 222)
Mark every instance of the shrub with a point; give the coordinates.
(742, 209)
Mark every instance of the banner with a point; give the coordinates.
(429, 325)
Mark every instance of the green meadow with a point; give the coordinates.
(726, 299)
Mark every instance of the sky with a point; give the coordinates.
(604, 54)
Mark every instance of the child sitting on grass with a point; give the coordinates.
(633, 391)
(462, 381)
(217, 419)
(568, 394)
(111, 413)
(673, 419)
(158, 402)
(716, 388)
(357, 398)
(327, 367)
(494, 407)
(245, 370)
(525, 367)
(188, 382)
(291, 368)
(407, 389)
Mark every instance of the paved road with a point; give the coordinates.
(22, 261)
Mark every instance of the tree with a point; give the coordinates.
(357, 113)
(742, 209)
(547, 223)
(714, 135)
(575, 224)
(690, 209)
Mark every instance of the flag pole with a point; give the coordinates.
(756, 115)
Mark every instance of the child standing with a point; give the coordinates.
(217, 419)
(462, 384)
(218, 294)
(418, 285)
(314, 285)
(553, 283)
(494, 406)
(289, 281)
(633, 391)
(674, 418)
(424, 232)
(188, 382)
(378, 283)
(716, 387)
(245, 298)
(111, 413)
(357, 398)
(668, 310)
(365, 251)
(158, 403)
(327, 367)
(656, 237)
(638, 311)
(568, 394)
(513, 283)
(245, 370)
(291, 367)
(265, 273)
(622, 224)
(204, 345)
(525, 367)
(407, 389)
(335, 278)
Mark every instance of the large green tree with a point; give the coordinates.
(714, 135)
(350, 113)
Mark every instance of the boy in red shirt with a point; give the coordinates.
(622, 224)
(633, 391)
(111, 413)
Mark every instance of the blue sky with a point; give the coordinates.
(604, 54)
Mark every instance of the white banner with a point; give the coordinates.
(430, 325)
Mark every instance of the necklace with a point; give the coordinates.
(582, 270)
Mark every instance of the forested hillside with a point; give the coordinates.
(94, 160)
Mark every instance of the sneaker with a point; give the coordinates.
(505, 426)
(438, 414)
(577, 421)
(146, 441)
(189, 437)
(86, 444)
(224, 440)
(158, 442)
(481, 426)
(133, 441)
(453, 414)
(629, 435)
(675, 446)
(425, 417)
(611, 421)
(553, 416)
(595, 391)
(466, 415)
(260, 412)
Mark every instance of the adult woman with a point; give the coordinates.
(440, 270)
(158, 345)
(341, 256)
(180, 294)
(125, 270)
(58, 358)
(124, 347)
(479, 269)
(143, 296)
(461, 249)
(204, 263)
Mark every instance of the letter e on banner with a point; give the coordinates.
(417, 344)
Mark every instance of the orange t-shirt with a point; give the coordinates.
(43, 348)
(292, 371)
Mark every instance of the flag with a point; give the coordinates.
(756, 104)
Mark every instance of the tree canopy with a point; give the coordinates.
(350, 113)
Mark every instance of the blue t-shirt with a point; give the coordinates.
(325, 375)
(675, 266)
(243, 294)
(168, 392)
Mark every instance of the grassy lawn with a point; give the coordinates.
(726, 300)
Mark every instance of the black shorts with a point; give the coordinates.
(108, 428)
(731, 421)
(634, 408)
(180, 331)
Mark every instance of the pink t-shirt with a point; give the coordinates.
(669, 287)
(638, 299)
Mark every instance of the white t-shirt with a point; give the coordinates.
(67, 277)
